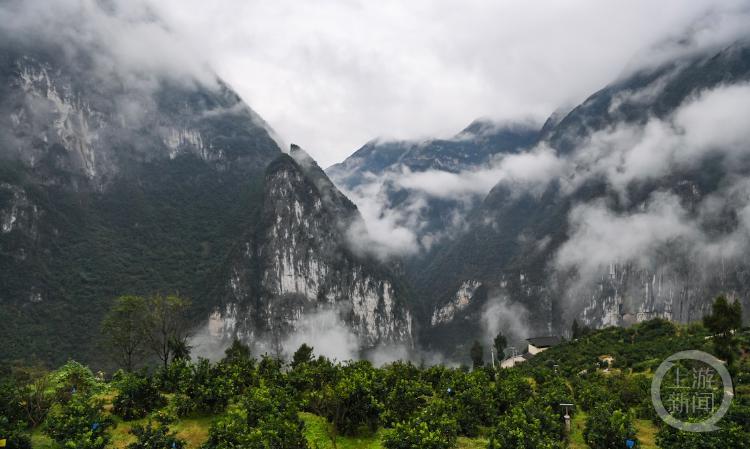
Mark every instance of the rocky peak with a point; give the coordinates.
(305, 265)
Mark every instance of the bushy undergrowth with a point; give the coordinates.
(255, 403)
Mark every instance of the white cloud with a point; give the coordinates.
(123, 39)
(399, 230)
(527, 169)
(712, 123)
(327, 333)
(333, 74)
(386, 231)
(716, 121)
(600, 236)
(501, 315)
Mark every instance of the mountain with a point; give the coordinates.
(299, 263)
(108, 189)
(636, 212)
(396, 170)
(470, 148)
(632, 172)
(122, 176)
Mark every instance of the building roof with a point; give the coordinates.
(544, 342)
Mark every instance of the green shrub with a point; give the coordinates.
(209, 391)
(406, 397)
(266, 418)
(175, 377)
(608, 427)
(149, 437)
(74, 378)
(137, 397)
(79, 423)
(730, 435)
(351, 404)
(14, 433)
(434, 427)
(527, 426)
(166, 416)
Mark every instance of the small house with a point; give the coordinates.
(540, 344)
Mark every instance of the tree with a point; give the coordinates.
(579, 331)
(237, 351)
(510, 388)
(350, 403)
(180, 349)
(302, 355)
(477, 355)
(207, 391)
(238, 367)
(73, 378)
(527, 426)
(80, 423)
(724, 319)
(404, 399)
(266, 418)
(500, 342)
(729, 435)
(124, 331)
(607, 427)
(470, 401)
(167, 327)
(433, 427)
(137, 397)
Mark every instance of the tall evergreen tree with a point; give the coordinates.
(167, 326)
(724, 319)
(477, 355)
(500, 343)
(124, 331)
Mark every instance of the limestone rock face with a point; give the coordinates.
(298, 262)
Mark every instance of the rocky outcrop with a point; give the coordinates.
(112, 182)
(17, 212)
(303, 265)
(61, 117)
(460, 301)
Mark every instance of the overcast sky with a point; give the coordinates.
(330, 75)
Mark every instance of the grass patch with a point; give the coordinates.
(646, 431)
(193, 430)
(41, 441)
(472, 443)
(577, 424)
(316, 432)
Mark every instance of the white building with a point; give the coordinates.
(540, 344)
(536, 345)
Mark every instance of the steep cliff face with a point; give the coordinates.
(120, 180)
(115, 178)
(63, 120)
(297, 263)
(536, 247)
(392, 175)
(468, 149)
(461, 300)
